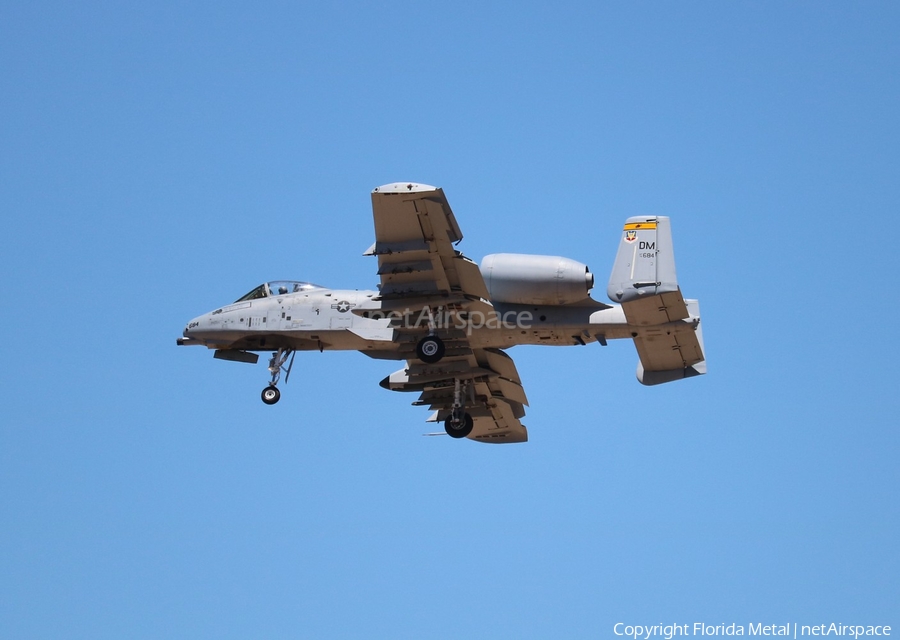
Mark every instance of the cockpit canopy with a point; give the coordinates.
(278, 288)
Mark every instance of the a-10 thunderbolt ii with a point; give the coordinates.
(451, 320)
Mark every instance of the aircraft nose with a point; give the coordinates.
(190, 327)
(189, 335)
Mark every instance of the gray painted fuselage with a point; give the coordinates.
(325, 319)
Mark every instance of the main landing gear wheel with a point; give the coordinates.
(430, 349)
(460, 427)
(271, 395)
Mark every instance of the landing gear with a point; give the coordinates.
(271, 394)
(459, 423)
(430, 349)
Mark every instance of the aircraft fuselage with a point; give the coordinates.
(325, 319)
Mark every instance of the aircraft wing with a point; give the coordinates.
(415, 230)
(420, 270)
(493, 393)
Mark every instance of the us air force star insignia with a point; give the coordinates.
(630, 236)
(343, 306)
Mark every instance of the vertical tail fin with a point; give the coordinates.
(645, 263)
(666, 332)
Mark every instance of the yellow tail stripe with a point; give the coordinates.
(640, 225)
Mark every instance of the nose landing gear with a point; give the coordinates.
(271, 394)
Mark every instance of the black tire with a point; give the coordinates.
(430, 349)
(271, 395)
(461, 430)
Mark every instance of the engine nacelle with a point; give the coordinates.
(542, 280)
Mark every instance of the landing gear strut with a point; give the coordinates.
(271, 394)
(459, 423)
(430, 349)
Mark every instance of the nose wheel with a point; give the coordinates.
(271, 394)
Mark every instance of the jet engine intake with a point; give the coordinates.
(540, 280)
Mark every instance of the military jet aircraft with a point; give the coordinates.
(451, 320)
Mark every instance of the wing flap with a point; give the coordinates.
(500, 362)
(462, 270)
(510, 390)
(501, 426)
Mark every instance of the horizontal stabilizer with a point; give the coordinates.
(673, 351)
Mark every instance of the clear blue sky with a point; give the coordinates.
(158, 160)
